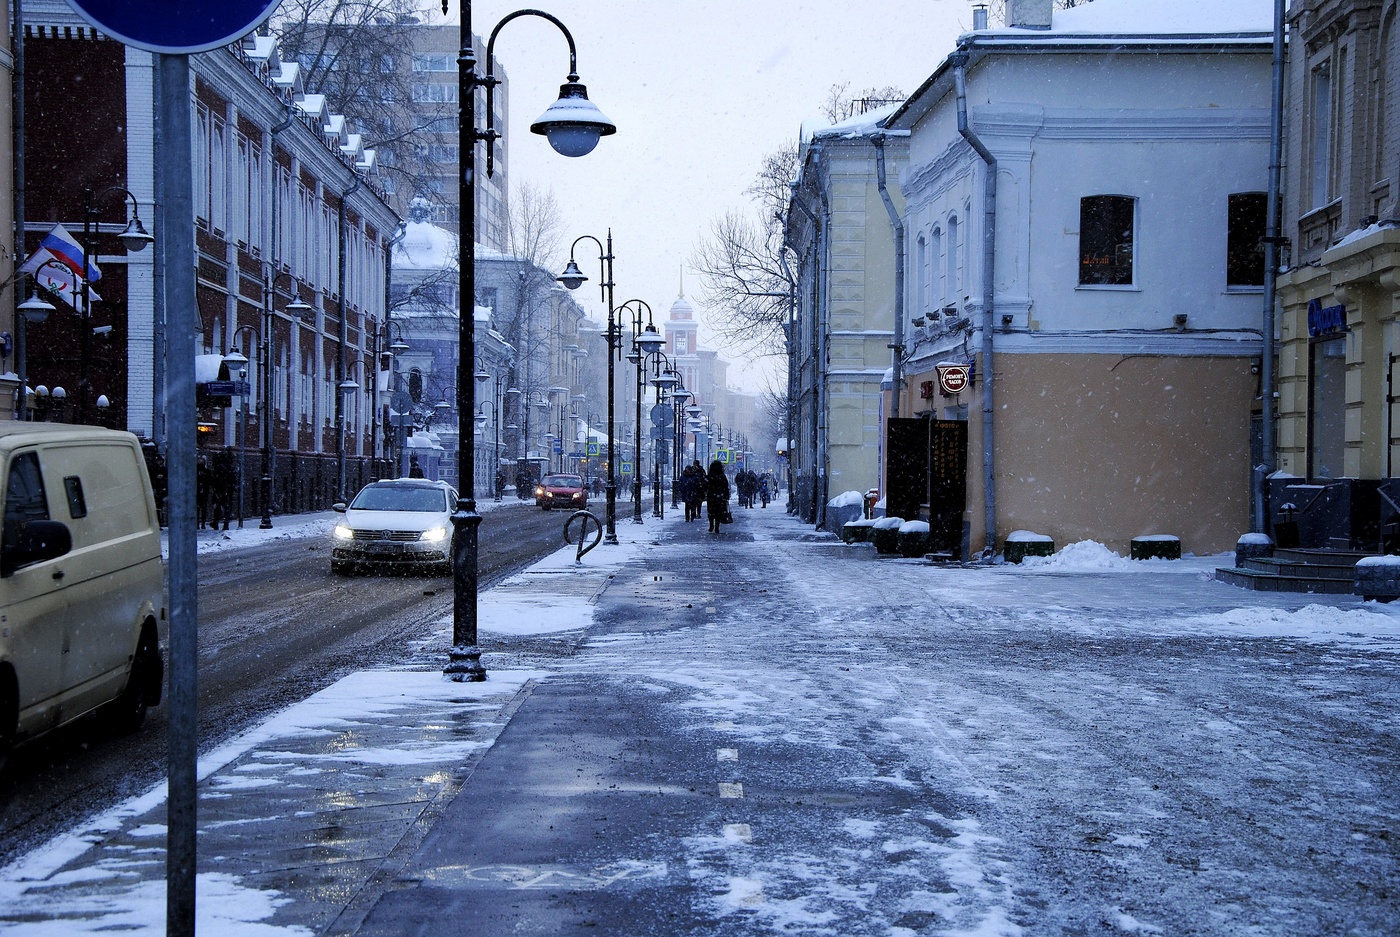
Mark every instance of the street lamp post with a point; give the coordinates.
(664, 379)
(134, 238)
(643, 342)
(303, 312)
(573, 278)
(237, 363)
(573, 126)
(680, 395)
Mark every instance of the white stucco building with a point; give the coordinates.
(1105, 301)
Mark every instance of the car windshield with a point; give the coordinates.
(394, 498)
(562, 481)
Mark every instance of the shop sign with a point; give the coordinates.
(1325, 320)
(953, 379)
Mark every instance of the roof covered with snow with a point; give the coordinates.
(1117, 26)
(425, 246)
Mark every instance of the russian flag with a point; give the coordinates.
(67, 251)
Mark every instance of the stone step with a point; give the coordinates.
(1289, 567)
(1261, 581)
(1311, 557)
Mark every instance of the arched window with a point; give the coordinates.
(415, 385)
(937, 283)
(921, 275)
(954, 286)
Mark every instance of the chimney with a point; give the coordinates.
(979, 17)
(1028, 14)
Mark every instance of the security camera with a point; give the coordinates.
(101, 330)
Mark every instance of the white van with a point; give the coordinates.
(81, 599)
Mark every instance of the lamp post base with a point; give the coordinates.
(464, 665)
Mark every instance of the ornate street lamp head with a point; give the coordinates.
(572, 277)
(135, 238)
(650, 340)
(573, 124)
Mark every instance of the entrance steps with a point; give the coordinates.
(1296, 570)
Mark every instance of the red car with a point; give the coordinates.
(561, 491)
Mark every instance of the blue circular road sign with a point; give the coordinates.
(175, 26)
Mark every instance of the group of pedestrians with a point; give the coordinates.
(215, 478)
(753, 486)
(711, 488)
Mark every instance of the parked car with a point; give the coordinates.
(80, 580)
(561, 491)
(395, 522)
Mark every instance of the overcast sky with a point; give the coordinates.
(701, 91)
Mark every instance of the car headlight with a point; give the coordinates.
(435, 535)
(540, 492)
(342, 532)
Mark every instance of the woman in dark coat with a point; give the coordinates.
(716, 495)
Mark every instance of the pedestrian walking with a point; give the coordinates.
(203, 487)
(222, 477)
(716, 496)
(414, 469)
(765, 488)
(693, 489)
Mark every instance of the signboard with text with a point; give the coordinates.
(952, 379)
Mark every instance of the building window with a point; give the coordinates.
(954, 261)
(1106, 225)
(1244, 247)
(938, 283)
(921, 284)
(1320, 139)
(1327, 406)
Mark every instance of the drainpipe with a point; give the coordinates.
(817, 273)
(342, 494)
(989, 230)
(17, 110)
(897, 365)
(790, 345)
(821, 481)
(1258, 520)
(269, 441)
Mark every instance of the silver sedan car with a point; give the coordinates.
(403, 522)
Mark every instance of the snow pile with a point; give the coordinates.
(914, 527)
(846, 499)
(1027, 536)
(1086, 556)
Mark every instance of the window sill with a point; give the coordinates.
(1245, 290)
(1107, 288)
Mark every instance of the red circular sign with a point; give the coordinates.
(952, 379)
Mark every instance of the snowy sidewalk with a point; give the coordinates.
(305, 813)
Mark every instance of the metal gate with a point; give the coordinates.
(927, 477)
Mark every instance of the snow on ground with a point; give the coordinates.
(1082, 741)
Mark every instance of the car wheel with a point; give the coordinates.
(128, 711)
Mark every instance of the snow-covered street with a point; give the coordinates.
(1078, 745)
(767, 731)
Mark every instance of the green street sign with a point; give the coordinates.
(723, 456)
(626, 468)
(593, 448)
